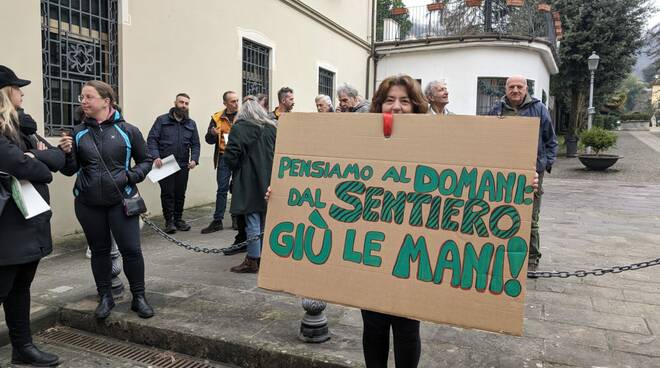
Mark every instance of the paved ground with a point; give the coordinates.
(640, 162)
(611, 321)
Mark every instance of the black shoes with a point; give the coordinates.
(215, 225)
(106, 304)
(170, 228)
(141, 306)
(234, 223)
(235, 249)
(181, 225)
(28, 354)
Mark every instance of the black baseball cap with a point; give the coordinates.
(9, 78)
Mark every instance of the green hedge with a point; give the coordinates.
(608, 122)
(636, 116)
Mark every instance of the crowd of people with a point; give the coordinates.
(110, 156)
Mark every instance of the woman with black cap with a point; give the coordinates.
(24, 241)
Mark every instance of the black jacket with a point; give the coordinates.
(24, 241)
(118, 142)
(170, 137)
(249, 155)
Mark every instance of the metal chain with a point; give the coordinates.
(530, 274)
(194, 248)
(594, 272)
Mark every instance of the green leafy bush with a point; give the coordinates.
(598, 138)
(636, 116)
(607, 122)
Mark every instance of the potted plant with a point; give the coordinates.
(599, 140)
(636, 121)
(515, 2)
(435, 6)
(399, 11)
(473, 2)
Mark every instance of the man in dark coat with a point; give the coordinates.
(175, 133)
(518, 102)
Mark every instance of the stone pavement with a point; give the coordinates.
(206, 311)
(640, 163)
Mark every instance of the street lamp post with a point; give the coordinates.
(592, 63)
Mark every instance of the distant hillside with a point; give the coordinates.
(643, 59)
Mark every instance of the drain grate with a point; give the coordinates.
(113, 348)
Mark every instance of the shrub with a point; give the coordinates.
(636, 116)
(598, 138)
(607, 122)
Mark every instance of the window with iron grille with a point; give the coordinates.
(326, 82)
(79, 43)
(256, 68)
(490, 91)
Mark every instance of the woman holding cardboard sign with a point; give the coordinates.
(24, 241)
(397, 95)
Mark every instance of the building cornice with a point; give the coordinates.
(327, 22)
(542, 47)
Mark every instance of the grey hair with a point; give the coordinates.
(254, 113)
(348, 90)
(325, 98)
(428, 91)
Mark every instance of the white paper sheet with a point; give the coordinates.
(28, 200)
(170, 166)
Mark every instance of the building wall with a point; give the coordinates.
(169, 46)
(350, 14)
(461, 67)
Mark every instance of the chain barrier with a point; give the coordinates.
(594, 272)
(195, 248)
(530, 274)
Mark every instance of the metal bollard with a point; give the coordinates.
(314, 325)
(117, 284)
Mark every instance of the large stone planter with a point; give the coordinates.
(600, 162)
(635, 125)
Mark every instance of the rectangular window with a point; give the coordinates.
(256, 68)
(490, 92)
(79, 43)
(326, 82)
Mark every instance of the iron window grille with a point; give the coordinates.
(326, 82)
(79, 43)
(256, 68)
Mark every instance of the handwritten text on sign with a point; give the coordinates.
(468, 201)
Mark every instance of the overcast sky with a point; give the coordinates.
(655, 19)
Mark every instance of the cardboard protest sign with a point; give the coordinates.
(432, 223)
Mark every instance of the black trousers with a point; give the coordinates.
(241, 236)
(15, 282)
(97, 222)
(173, 194)
(376, 340)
